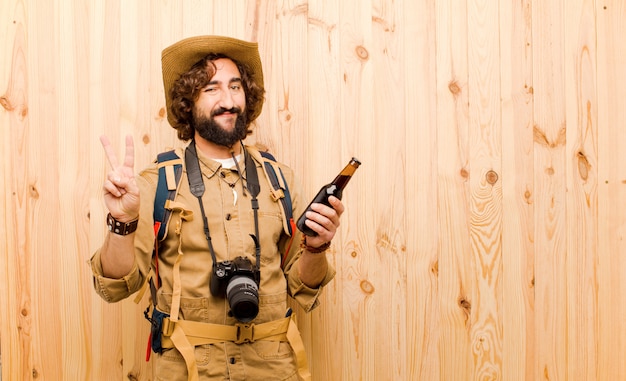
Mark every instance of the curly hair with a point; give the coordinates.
(186, 90)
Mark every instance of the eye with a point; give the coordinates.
(210, 89)
(235, 87)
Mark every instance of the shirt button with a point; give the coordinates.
(228, 216)
(232, 360)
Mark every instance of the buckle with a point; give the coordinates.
(277, 194)
(245, 333)
(167, 327)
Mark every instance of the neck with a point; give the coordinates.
(216, 151)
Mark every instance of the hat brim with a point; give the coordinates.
(181, 56)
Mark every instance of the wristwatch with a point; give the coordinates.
(121, 228)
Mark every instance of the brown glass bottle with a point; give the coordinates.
(335, 188)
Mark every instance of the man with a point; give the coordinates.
(207, 325)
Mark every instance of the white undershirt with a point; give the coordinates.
(228, 163)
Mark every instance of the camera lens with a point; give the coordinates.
(243, 298)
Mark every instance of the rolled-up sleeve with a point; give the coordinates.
(307, 297)
(114, 290)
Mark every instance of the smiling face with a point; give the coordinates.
(218, 113)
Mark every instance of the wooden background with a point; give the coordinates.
(485, 232)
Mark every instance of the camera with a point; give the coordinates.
(238, 281)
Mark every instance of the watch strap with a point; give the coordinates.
(121, 228)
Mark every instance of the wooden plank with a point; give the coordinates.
(485, 165)
(454, 275)
(15, 293)
(550, 190)
(611, 222)
(75, 286)
(384, 282)
(517, 191)
(418, 55)
(43, 158)
(581, 156)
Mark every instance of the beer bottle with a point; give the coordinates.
(335, 188)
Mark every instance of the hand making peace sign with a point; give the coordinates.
(121, 194)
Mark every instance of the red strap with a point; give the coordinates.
(157, 226)
(293, 233)
(149, 349)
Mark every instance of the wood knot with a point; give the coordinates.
(285, 115)
(161, 114)
(464, 173)
(6, 103)
(528, 196)
(146, 139)
(492, 177)
(34, 193)
(454, 87)
(583, 166)
(465, 305)
(367, 287)
(362, 53)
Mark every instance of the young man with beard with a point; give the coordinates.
(226, 265)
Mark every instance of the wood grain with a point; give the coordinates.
(485, 169)
(518, 267)
(483, 235)
(611, 223)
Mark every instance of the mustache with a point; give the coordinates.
(221, 110)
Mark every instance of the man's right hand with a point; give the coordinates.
(121, 194)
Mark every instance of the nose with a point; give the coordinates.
(226, 99)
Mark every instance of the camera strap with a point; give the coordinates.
(252, 180)
(196, 186)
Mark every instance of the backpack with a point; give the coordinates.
(170, 171)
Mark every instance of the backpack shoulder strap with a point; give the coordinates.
(170, 167)
(280, 193)
(279, 190)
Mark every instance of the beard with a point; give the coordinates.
(211, 131)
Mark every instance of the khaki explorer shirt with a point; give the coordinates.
(230, 223)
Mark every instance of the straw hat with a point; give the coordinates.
(180, 57)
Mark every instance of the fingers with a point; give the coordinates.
(325, 220)
(129, 157)
(337, 205)
(116, 185)
(120, 178)
(108, 151)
